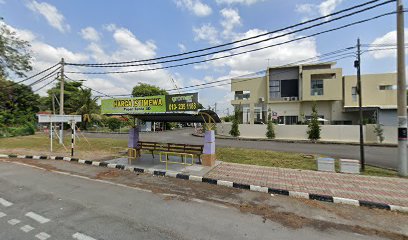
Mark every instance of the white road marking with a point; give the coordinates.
(2, 214)
(5, 203)
(37, 217)
(81, 236)
(26, 228)
(14, 221)
(42, 236)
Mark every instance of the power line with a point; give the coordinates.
(38, 89)
(49, 75)
(237, 41)
(88, 87)
(240, 53)
(244, 80)
(248, 44)
(336, 53)
(33, 76)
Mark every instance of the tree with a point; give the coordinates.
(18, 104)
(87, 107)
(113, 123)
(144, 89)
(313, 126)
(379, 131)
(14, 53)
(235, 123)
(270, 133)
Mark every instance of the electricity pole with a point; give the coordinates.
(61, 110)
(401, 93)
(357, 64)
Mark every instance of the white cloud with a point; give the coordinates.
(306, 8)
(389, 38)
(230, 20)
(328, 6)
(50, 13)
(246, 2)
(324, 8)
(207, 33)
(258, 60)
(90, 34)
(2, 1)
(196, 6)
(182, 47)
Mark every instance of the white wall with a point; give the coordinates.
(337, 133)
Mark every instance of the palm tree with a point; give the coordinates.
(87, 107)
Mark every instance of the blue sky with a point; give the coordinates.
(108, 31)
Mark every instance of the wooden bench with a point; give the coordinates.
(171, 147)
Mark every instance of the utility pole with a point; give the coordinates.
(357, 64)
(61, 111)
(401, 93)
(215, 107)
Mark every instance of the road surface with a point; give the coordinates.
(95, 203)
(376, 156)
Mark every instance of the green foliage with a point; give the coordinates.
(14, 54)
(270, 133)
(235, 123)
(313, 127)
(113, 123)
(228, 118)
(77, 100)
(379, 131)
(24, 130)
(18, 103)
(144, 89)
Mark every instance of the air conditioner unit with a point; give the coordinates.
(293, 98)
(261, 99)
(286, 99)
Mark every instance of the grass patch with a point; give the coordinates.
(266, 158)
(286, 160)
(102, 146)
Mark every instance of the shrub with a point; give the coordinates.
(313, 131)
(235, 121)
(113, 123)
(270, 133)
(379, 131)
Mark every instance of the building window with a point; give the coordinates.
(242, 95)
(388, 87)
(274, 89)
(354, 94)
(288, 120)
(316, 88)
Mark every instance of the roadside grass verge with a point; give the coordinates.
(286, 160)
(100, 148)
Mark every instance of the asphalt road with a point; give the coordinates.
(376, 156)
(38, 204)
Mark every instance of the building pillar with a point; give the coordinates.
(251, 113)
(133, 140)
(208, 157)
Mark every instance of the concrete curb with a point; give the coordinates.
(298, 141)
(180, 175)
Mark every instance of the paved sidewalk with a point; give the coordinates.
(393, 191)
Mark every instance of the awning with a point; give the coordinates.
(198, 117)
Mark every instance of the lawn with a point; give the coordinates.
(99, 148)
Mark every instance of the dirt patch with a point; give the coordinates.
(108, 174)
(295, 221)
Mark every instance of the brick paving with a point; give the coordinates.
(393, 191)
